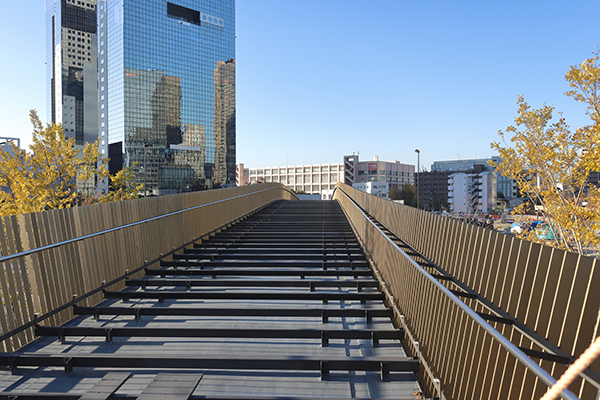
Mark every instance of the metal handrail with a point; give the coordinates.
(77, 298)
(511, 348)
(91, 235)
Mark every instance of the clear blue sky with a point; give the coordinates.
(317, 79)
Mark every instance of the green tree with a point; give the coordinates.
(552, 163)
(395, 194)
(48, 177)
(408, 193)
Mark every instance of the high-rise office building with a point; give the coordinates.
(225, 122)
(71, 66)
(166, 86)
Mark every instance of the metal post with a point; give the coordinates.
(145, 168)
(146, 145)
(418, 171)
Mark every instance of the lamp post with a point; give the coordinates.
(146, 145)
(418, 171)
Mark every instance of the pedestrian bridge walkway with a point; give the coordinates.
(249, 293)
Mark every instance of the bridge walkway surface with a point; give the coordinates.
(281, 305)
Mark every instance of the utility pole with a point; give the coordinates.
(418, 171)
(146, 145)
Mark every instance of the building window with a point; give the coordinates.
(183, 13)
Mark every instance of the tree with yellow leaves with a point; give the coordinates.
(49, 177)
(552, 164)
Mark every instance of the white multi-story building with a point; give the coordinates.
(506, 186)
(321, 178)
(471, 192)
(310, 178)
(379, 189)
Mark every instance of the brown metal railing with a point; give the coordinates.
(54, 259)
(548, 291)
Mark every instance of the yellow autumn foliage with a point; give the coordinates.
(49, 176)
(552, 163)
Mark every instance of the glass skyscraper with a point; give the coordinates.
(71, 66)
(166, 90)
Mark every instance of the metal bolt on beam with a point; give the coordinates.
(68, 365)
(385, 370)
(417, 349)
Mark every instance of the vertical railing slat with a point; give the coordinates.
(548, 290)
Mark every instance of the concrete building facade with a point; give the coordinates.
(395, 173)
(309, 178)
(473, 192)
(379, 189)
(433, 190)
(322, 178)
(506, 187)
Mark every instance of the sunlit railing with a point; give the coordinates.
(54, 259)
(549, 292)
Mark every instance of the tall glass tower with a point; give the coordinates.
(71, 66)
(166, 90)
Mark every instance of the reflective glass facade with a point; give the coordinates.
(71, 63)
(166, 87)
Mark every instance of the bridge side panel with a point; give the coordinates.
(45, 282)
(547, 289)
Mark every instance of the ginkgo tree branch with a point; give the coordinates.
(552, 164)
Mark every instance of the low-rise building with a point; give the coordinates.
(309, 178)
(472, 192)
(242, 175)
(322, 178)
(433, 190)
(379, 189)
(505, 186)
(395, 173)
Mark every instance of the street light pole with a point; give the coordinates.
(418, 171)
(146, 145)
